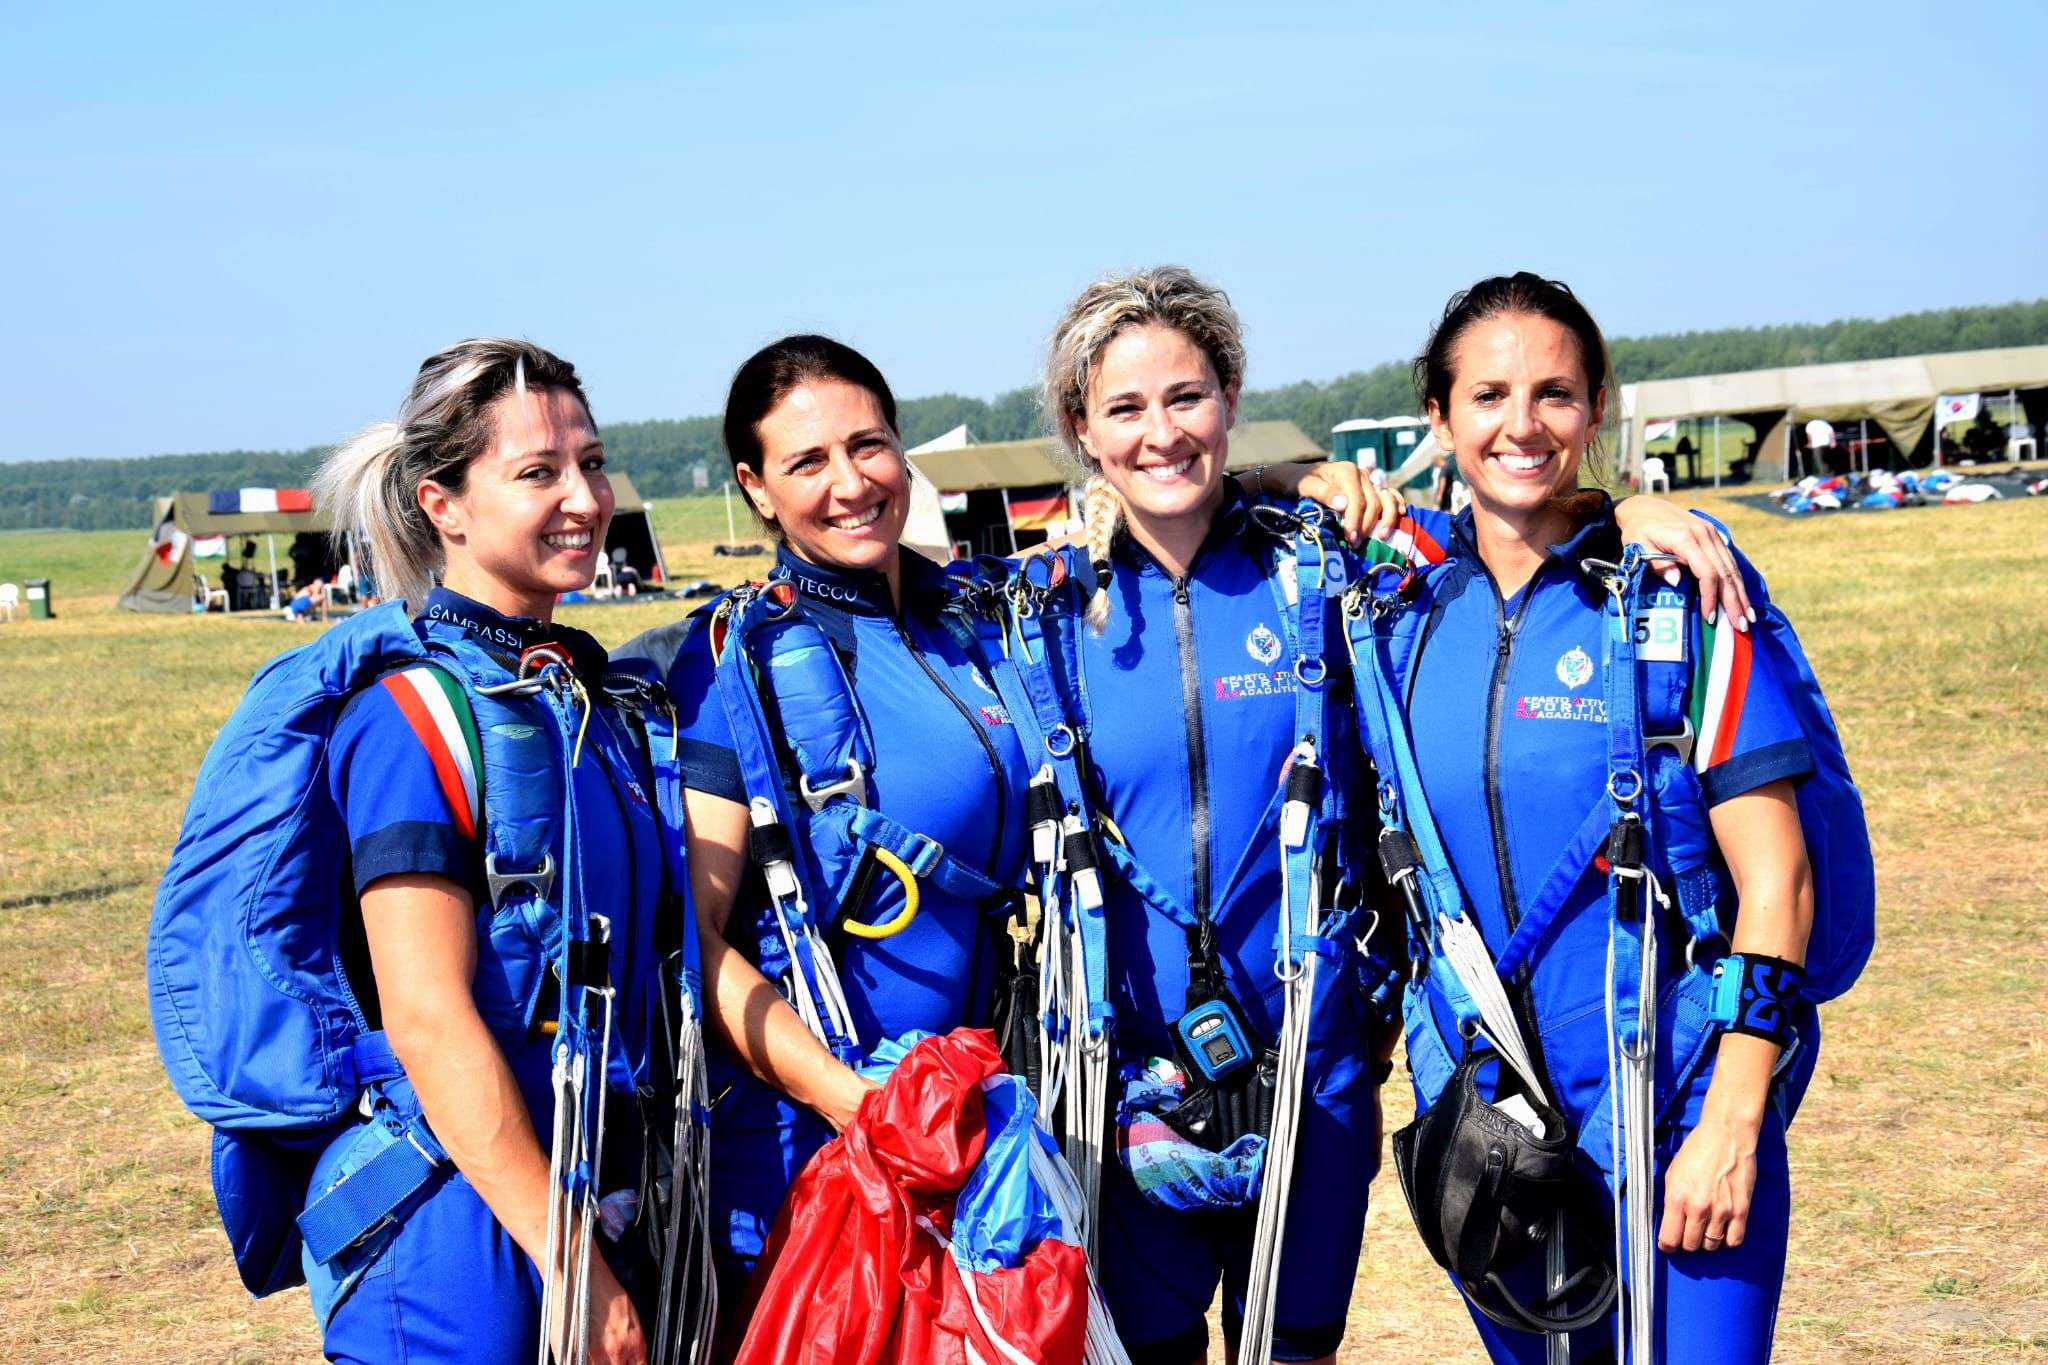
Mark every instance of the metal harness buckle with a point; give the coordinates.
(854, 784)
(542, 880)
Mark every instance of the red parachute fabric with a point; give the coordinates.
(849, 1277)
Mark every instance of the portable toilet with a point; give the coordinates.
(1378, 442)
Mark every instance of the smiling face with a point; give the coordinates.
(1522, 409)
(832, 478)
(1158, 423)
(530, 520)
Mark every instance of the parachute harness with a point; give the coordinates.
(1076, 1020)
(1318, 573)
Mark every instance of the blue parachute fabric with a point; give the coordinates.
(1003, 1211)
(1830, 809)
(819, 719)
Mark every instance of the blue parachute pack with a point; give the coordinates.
(255, 1021)
(1651, 738)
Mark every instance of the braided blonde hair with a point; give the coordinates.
(1165, 296)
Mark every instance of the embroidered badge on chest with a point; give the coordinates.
(1262, 644)
(1574, 667)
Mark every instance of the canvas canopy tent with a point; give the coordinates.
(164, 579)
(925, 529)
(1897, 395)
(1017, 492)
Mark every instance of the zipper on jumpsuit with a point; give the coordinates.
(1496, 813)
(1198, 749)
(995, 765)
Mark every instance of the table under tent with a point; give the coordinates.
(245, 549)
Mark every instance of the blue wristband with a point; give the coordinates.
(1753, 994)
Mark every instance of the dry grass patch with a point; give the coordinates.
(1918, 1162)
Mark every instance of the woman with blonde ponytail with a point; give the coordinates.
(481, 809)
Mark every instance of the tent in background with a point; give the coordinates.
(186, 525)
(1018, 492)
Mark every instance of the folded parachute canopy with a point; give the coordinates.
(931, 1230)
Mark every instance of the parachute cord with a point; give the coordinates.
(582, 694)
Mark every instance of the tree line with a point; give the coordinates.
(663, 456)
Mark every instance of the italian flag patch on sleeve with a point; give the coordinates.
(1720, 684)
(434, 706)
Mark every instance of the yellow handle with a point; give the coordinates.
(902, 918)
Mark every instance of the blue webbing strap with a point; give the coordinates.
(1542, 910)
(1627, 783)
(1404, 806)
(1317, 566)
(573, 1026)
(342, 1215)
(926, 858)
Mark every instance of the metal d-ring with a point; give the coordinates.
(1060, 742)
(1633, 790)
(1304, 666)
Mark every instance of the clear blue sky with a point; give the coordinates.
(245, 229)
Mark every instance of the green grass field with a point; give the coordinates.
(1919, 1161)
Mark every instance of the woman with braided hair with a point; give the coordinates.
(1196, 595)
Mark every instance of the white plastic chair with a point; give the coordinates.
(1654, 474)
(2021, 449)
(602, 585)
(10, 599)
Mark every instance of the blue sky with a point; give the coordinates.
(245, 229)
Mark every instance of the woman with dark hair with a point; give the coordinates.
(907, 942)
(1499, 666)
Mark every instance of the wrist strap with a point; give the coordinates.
(1754, 994)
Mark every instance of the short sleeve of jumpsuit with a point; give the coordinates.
(947, 765)
(1506, 707)
(1190, 691)
(446, 1281)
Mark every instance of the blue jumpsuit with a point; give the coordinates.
(447, 1282)
(1507, 709)
(1191, 694)
(947, 765)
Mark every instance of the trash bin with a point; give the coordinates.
(38, 592)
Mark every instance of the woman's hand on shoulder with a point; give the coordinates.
(1697, 544)
(1364, 508)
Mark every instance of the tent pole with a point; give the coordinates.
(1717, 450)
(731, 537)
(1863, 441)
(1008, 524)
(1789, 453)
(270, 544)
(1937, 429)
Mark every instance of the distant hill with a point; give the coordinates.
(661, 455)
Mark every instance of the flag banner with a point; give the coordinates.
(1038, 514)
(1657, 431)
(952, 502)
(1957, 407)
(209, 547)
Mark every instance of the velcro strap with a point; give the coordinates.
(364, 1198)
(1625, 844)
(1754, 994)
(1398, 857)
(1305, 783)
(770, 843)
(1041, 804)
(1080, 851)
(589, 963)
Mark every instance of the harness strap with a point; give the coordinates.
(926, 858)
(370, 1195)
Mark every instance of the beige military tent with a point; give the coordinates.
(1897, 395)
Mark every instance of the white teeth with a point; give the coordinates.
(1526, 464)
(1165, 473)
(858, 519)
(568, 540)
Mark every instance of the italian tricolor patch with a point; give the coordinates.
(1720, 683)
(439, 715)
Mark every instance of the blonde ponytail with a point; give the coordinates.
(369, 485)
(1102, 510)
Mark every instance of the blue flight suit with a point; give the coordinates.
(1190, 691)
(1506, 706)
(446, 1282)
(947, 765)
